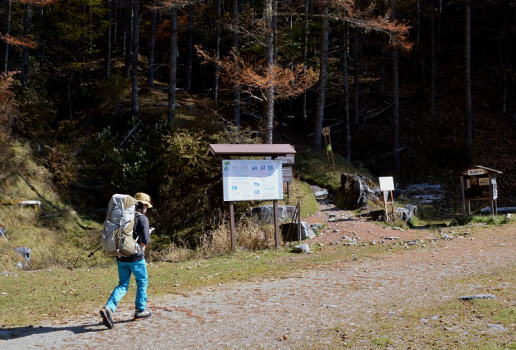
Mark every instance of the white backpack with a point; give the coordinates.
(117, 236)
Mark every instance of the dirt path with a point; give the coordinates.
(285, 313)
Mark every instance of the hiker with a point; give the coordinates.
(132, 264)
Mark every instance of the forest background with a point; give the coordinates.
(125, 95)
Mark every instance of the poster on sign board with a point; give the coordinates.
(252, 180)
(386, 183)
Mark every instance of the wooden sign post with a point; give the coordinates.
(387, 187)
(329, 150)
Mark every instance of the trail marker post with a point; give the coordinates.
(387, 187)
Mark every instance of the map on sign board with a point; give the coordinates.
(386, 183)
(250, 180)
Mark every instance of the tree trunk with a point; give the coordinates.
(128, 39)
(218, 5)
(433, 52)
(152, 47)
(116, 10)
(396, 99)
(236, 45)
(323, 77)
(173, 71)
(109, 40)
(269, 93)
(27, 24)
(135, 103)
(190, 54)
(467, 75)
(358, 57)
(346, 92)
(7, 31)
(305, 56)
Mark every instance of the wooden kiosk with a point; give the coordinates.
(283, 153)
(478, 183)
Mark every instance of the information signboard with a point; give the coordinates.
(386, 183)
(252, 180)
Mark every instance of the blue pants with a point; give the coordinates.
(139, 269)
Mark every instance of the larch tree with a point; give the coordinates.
(323, 78)
(269, 91)
(135, 50)
(7, 32)
(218, 38)
(236, 48)
(467, 74)
(395, 96)
(346, 11)
(152, 45)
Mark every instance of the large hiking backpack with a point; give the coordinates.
(117, 236)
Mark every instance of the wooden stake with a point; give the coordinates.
(299, 222)
(385, 195)
(463, 195)
(392, 201)
(491, 200)
(276, 221)
(232, 223)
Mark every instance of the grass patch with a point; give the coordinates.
(382, 341)
(300, 190)
(447, 323)
(56, 234)
(313, 167)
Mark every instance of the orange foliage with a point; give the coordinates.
(287, 82)
(347, 11)
(7, 100)
(19, 42)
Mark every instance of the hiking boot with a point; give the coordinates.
(142, 313)
(107, 317)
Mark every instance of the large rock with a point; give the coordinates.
(407, 213)
(289, 232)
(354, 192)
(264, 214)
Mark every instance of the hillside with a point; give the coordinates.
(55, 233)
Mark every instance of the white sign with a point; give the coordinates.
(473, 172)
(252, 180)
(386, 183)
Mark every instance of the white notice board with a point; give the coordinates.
(386, 183)
(250, 180)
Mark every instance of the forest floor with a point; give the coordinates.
(404, 296)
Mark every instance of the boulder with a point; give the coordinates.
(407, 213)
(302, 248)
(354, 192)
(289, 232)
(26, 254)
(264, 214)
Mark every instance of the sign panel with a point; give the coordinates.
(386, 183)
(252, 180)
(287, 174)
(495, 188)
(472, 172)
(483, 181)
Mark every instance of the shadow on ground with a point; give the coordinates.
(20, 332)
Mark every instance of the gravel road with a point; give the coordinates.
(284, 313)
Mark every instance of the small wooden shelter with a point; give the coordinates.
(478, 183)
